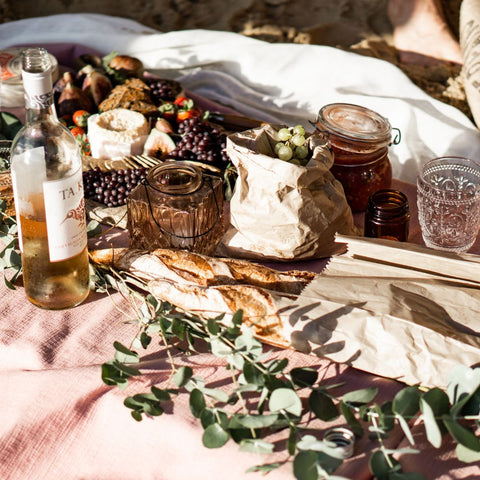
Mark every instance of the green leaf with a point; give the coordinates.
(265, 468)
(461, 434)
(362, 396)
(463, 381)
(322, 405)
(434, 404)
(352, 421)
(219, 348)
(10, 125)
(216, 394)
(239, 420)
(276, 366)
(124, 354)
(304, 376)
(466, 455)
(94, 228)
(253, 374)
(256, 445)
(161, 394)
(305, 466)
(213, 327)
(214, 436)
(182, 376)
(285, 399)
(112, 376)
(406, 402)
(380, 466)
(406, 429)
(197, 402)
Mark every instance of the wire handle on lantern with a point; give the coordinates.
(145, 184)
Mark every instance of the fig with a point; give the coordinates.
(127, 66)
(163, 125)
(72, 99)
(96, 84)
(158, 144)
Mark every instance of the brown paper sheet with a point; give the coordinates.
(391, 309)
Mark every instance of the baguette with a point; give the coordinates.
(191, 268)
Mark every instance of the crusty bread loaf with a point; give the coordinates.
(192, 268)
(210, 286)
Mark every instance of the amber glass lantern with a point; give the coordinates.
(177, 206)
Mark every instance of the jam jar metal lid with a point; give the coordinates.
(175, 178)
(351, 122)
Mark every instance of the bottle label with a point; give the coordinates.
(65, 217)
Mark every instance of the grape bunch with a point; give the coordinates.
(164, 90)
(292, 146)
(202, 142)
(113, 186)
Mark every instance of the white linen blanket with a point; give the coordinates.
(283, 83)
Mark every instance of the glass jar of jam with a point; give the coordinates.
(176, 206)
(359, 139)
(387, 216)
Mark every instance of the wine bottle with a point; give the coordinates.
(46, 169)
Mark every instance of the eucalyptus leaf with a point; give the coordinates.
(364, 395)
(240, 420)
(463, 381)
(124, 354)
(406, 402)
(466, 455)
(265, 468)
(214, 436)
(382, 468)
(304, 376)
(213, 327)
(352, 421)
(434, 404)
(285, 399)
(461, 434)
(256, 445)
(305, 466)
(253, 374)
(322, 405)
(406, 429)
(216, 394)
(161, 394)
(197, 402)
(219, 348)
(182, 376)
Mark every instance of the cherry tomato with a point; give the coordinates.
(184, 114)
(168, 110)
(80, 118)
(77, 131)
(184, 102)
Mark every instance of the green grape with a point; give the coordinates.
(278, 146)
(298, 140)
(301, 152)
(298, 129)
(285, 153)
(284, 134)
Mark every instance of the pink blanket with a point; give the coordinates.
(59, 421)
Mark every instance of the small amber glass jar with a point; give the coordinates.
(177, 206)
(388, 216)
(359, 139)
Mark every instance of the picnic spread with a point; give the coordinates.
(222, 174)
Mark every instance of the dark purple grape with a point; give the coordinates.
(112, 187)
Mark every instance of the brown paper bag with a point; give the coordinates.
(282, 211)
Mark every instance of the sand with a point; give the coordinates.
(358, 25)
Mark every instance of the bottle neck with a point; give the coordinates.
(38, 87)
